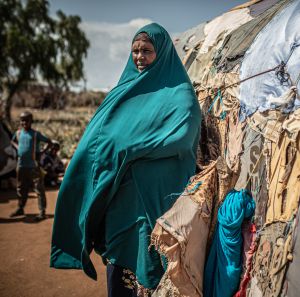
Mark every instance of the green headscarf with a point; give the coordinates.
(146, 130)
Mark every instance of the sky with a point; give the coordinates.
(111, 24)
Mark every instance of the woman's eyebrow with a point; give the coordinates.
(146, 47)
(142, 48)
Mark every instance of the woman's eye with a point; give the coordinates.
(142, 51)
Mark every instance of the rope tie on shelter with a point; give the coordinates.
(280, 72)
(218, 96)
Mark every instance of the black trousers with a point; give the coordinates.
(25, 178)
(115, 283)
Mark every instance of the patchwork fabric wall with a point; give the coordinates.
(245, 67)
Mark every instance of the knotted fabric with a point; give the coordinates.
(224, 263)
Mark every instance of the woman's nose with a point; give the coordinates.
(140, 55)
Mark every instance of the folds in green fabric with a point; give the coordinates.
(149, 125)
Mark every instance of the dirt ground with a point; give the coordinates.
(24, 256)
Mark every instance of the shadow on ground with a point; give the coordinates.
(11, 194)
(28, 219)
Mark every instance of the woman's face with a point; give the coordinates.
(143, 54)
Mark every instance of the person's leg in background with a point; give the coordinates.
(23, 185)
(39, 188)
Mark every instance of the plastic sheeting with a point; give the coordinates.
(189, 39)
(259, 7)
(272, 45)
(215, 33)
(237, 43)
(226, 23)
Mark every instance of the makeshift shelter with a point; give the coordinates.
(245, 67)
(8, 154)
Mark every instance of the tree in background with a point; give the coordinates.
(35, 46)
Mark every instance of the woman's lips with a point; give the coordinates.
(141, 66)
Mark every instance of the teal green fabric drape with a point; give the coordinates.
(224, 263)
(138, 149)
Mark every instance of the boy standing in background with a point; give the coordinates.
(26, 140)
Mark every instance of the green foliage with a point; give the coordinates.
(35, 46)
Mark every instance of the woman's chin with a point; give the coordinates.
(141, 68)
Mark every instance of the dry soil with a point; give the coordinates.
(24, 255)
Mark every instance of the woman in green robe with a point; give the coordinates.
(134, 159)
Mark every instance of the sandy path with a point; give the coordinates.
(24, 256)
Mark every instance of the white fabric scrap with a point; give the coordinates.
(271, 46)
(286, 100)
(226, 23)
